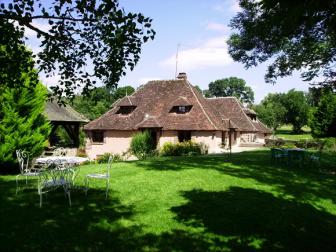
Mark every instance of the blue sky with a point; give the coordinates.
(201, 29)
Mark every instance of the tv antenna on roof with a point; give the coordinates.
(177, 51)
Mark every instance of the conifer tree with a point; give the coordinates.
(22, 123)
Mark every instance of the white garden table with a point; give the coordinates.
(62, 159)
(59, 172)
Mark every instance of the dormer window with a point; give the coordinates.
(181, 109)
(126, 110)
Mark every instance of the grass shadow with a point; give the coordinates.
(90, 224)
(256, 220)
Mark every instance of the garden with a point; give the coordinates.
(240, 202)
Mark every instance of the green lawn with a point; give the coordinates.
(210, 203)
(285, 132)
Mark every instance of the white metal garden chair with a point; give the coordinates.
(100, 176)
(55, 175)
(60, 152)
(25, 169)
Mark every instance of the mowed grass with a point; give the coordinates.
(206, 203)
(286, 132)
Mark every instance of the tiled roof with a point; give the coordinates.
(57, 113)
(231, 108)
(262, 127)
(149, 122)
(155, 100)
(153, 109)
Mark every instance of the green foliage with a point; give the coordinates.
(284, 108)
(271, 111)
(232, 86)
(99, 100)
(81, 33)
(142, 145)
(123, 91)
(289, 146)
(22, 123)
(63, 138)
(329, 144)
(182, 149)
(323, 121)
(292, 35)
(297, 108)
(103, 159)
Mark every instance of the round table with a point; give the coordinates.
(65, 159)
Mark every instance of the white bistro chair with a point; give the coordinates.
(55, 174)
(100, 176)
(25, 170)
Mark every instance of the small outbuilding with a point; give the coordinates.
(66, 117)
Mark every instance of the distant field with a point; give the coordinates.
(285, 132)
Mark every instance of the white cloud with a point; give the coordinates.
(212, 53)
(214, 26)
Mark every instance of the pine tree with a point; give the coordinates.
(22, 123)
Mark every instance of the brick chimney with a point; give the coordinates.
(182, 76)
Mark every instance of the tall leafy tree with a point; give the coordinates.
(323, 123)
(284, 108)
(271, 111)
(86, 40)
(22, 123)
(291, 35)
(232, 86)
(297, 108)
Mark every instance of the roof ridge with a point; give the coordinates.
(129, 99)
(221, 97)
(200, 104)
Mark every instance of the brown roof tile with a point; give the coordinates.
(231, 108)
(155, 100)
(262, 127)
(57, 113)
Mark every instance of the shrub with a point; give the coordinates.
(288, 146)
(329, 144)
(142, 145)
(307, 144)
(103, 159)
(184, 148)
